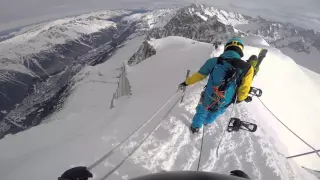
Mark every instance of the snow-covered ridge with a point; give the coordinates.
(145, 51)
(151, 19)
(281, 34)
(200, 23)
(45, 36)
(228, 18)
(86, 122)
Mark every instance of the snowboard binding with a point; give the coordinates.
(255, 92)
(235, 124)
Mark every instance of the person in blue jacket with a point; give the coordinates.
(214, 102)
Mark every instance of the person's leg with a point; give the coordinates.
(199, 117)
(212, 116)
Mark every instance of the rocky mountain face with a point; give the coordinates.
(150, 19)
(300, 44)
(198, 23)
(30, 93)
(145, 51)
(283, 35)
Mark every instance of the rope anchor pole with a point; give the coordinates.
(141, 142)
(184, 89)
(110, 152)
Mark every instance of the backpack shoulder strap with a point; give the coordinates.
(214, 65)
(238, 64)
(219, 61)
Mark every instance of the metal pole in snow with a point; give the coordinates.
(303, 154)
(184, 89)
(113, 97)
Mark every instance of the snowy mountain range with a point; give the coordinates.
(60, 72)
(197, 23)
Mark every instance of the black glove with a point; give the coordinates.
(182, 85)
(76, 173)
(239, 173)
(248, 99)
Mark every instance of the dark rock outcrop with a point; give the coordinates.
(145, 51)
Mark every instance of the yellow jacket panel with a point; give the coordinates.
(244, 88)
(196, 77)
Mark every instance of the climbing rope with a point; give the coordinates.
(200, 149)
(133, 133)
(302, 154)
(224, 131)
(315, 150)
(139, 145)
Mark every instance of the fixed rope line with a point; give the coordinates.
(104, 157)
(140, 144)
(224, 131)
(302, 154)
(315, 150)
(200, 149)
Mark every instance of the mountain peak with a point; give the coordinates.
(196, 5)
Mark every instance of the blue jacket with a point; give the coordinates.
(206, 70)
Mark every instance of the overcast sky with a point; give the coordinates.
(14, 13)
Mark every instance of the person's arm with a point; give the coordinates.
(244, 88)
(194, 78)
(202, 73)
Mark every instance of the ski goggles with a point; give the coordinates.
(234, 43)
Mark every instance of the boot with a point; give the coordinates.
(194, 130)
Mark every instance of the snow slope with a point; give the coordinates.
(309, 60)
(256, 41)
(85, 129)
(313, 76)
(290, 94)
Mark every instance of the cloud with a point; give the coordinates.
(14, 13)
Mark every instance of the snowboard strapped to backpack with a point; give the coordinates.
(226, 76)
